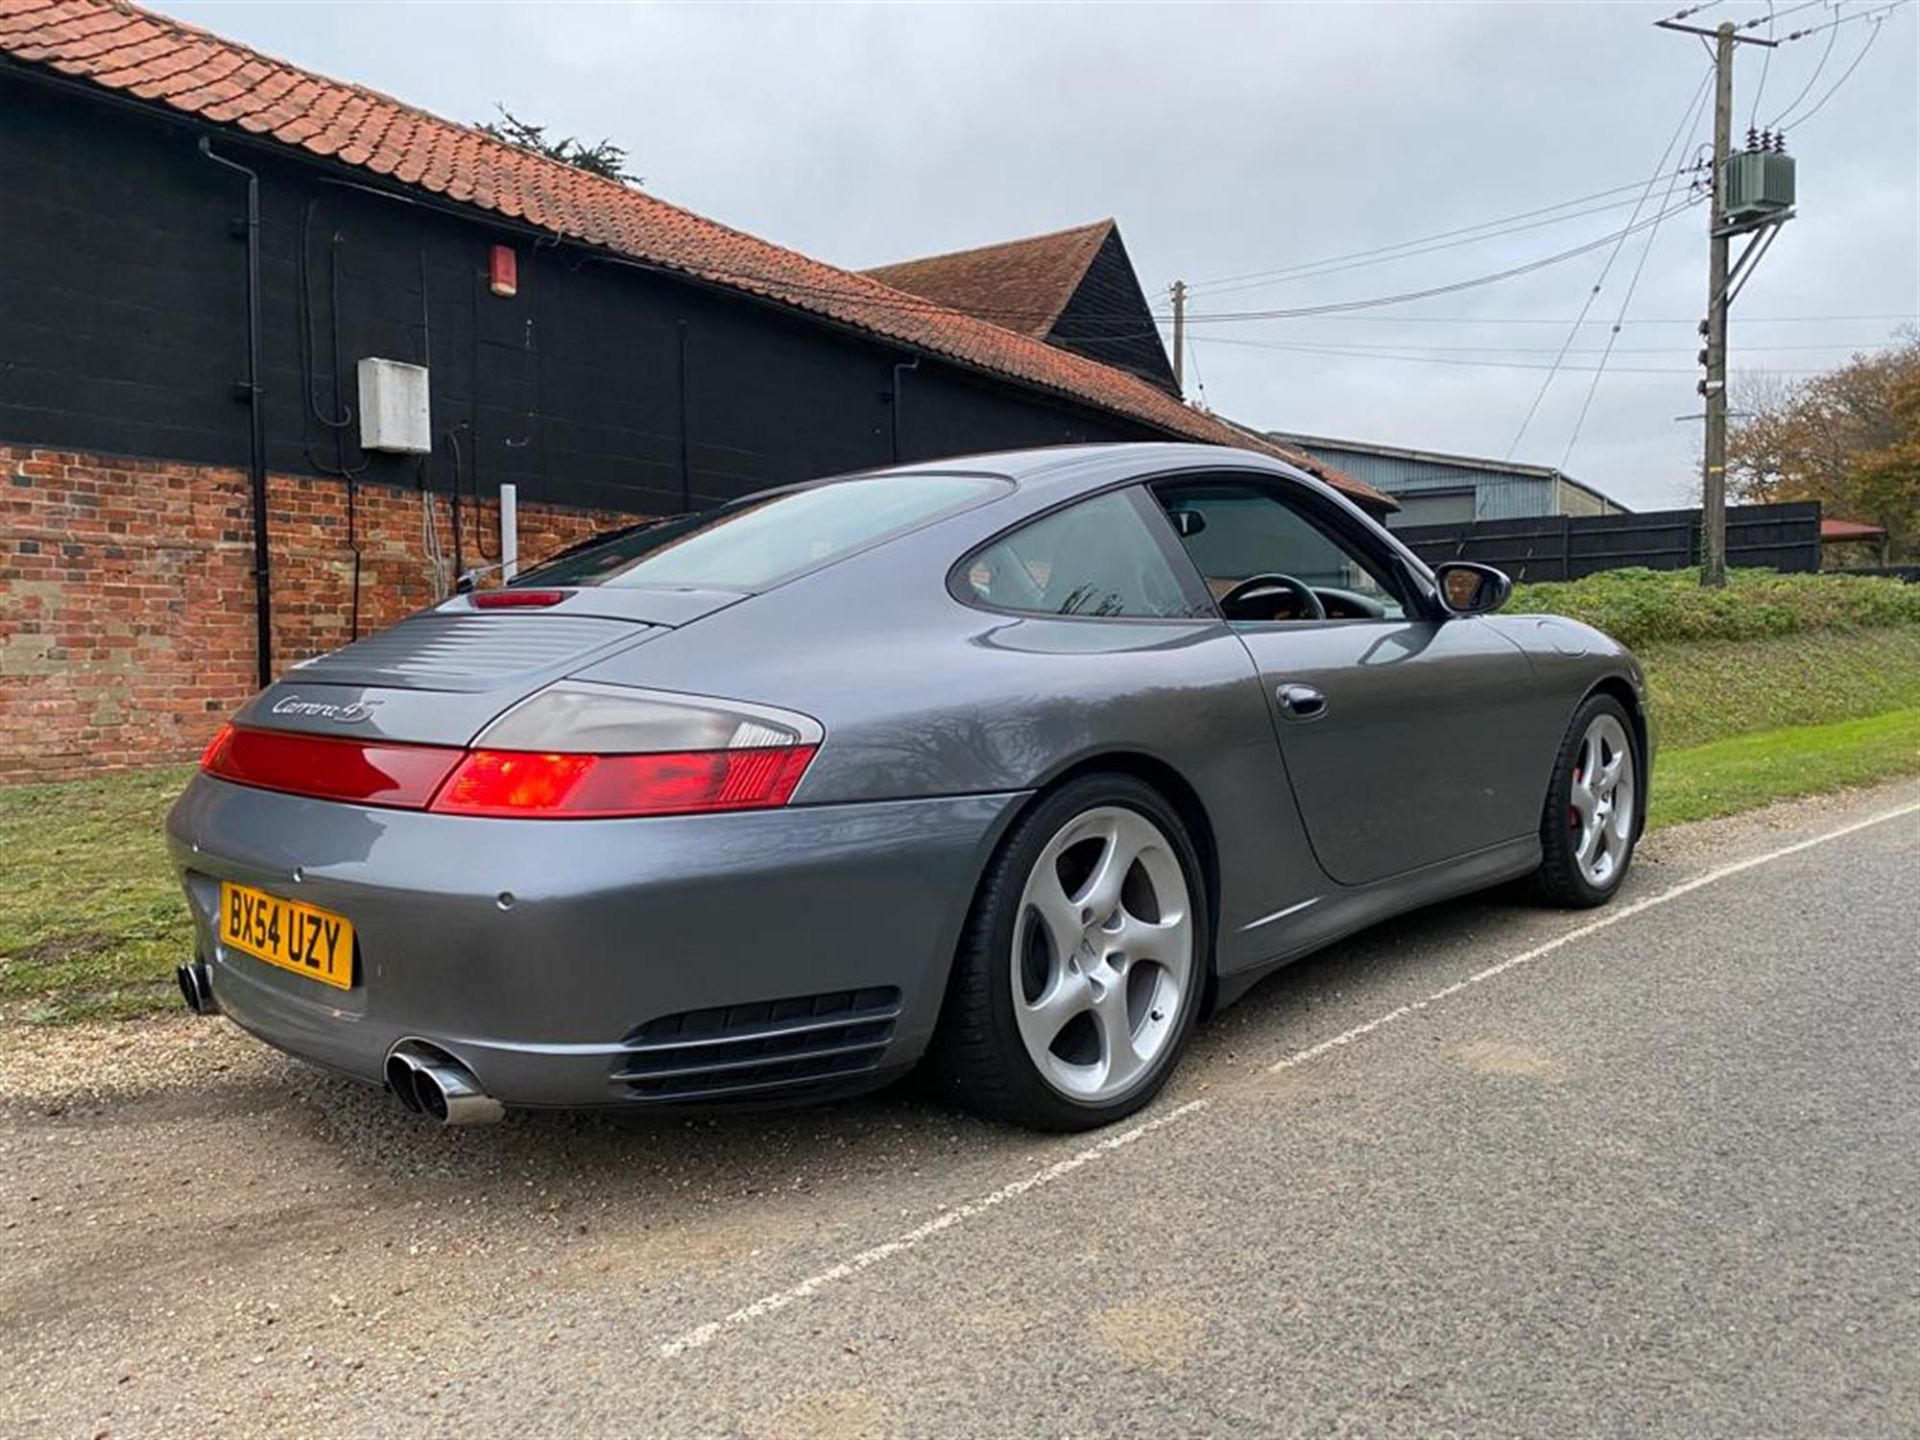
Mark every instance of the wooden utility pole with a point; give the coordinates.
(1179, 335)
(1723, 283)
(1713, 488)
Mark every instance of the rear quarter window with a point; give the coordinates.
(1096, 559)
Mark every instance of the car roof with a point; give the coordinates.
(1068, 466)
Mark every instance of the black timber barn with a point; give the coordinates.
(201, 244)
(688, 366)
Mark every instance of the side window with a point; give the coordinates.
(1237, 532)
(1097, 558)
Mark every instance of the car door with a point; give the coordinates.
(1397, 724)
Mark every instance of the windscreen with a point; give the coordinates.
(753, 543)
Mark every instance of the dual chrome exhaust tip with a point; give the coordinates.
(427, 1079)
(196, 987)
(431, 1082)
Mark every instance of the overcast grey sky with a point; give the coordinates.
(1232, 139)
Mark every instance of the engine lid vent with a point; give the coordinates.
(441, 651)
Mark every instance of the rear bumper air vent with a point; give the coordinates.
(767, 1049)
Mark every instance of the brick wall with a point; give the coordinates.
(126, 595)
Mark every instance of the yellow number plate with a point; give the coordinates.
(302, 938)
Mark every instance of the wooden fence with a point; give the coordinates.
(1565, 547)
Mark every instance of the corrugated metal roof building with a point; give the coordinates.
(1439, 489)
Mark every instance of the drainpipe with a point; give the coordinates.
(256, 415)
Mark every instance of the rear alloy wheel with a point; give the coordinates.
(1593, 813)
(1081, 973)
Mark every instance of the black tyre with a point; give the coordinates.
(1591, 821)
(1083, 963)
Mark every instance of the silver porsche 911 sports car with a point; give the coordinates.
(1014, 765)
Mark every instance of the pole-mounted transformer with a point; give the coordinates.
(1759, 181)
(1752, 193)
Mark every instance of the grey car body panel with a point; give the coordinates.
(1410, 762)
(444, 650)
(1424, 778)
(610, 924)
(439, 676)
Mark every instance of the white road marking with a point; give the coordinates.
(1610, 917)
(945, 1220)
(702, 1335)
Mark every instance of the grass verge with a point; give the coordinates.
(1747, 771)
(91, 922)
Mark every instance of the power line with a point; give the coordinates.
(1242, 281)
(1647, 320)
(1406, 250)
(1806, 89)
(1766, 64)
(1199, 381)
(1688, 118)
(1593, 386)
(1583, 349)
(1772, 15)
(1405, 297)
(1845, 75)
(1877, 14)
(1345, 352)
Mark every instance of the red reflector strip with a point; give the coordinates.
(526, 785)
(401, 776)
(516, 599)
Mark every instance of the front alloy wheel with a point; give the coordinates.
(1600, 800)
(1080, 975)
(1592, 817)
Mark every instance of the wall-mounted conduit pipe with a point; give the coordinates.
(893, 401)
(686, 445)
(257, 425)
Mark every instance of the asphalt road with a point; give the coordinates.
(1488, 1169)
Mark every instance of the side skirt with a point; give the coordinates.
(1346, 911)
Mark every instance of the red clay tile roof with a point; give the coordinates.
(1019, 284)
(119, 46)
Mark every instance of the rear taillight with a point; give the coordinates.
(508, 783)
(403, 776)
(573, 751)
(215, 745)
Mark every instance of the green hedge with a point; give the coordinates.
(1639, 606)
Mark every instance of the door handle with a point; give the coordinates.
(1300, 702)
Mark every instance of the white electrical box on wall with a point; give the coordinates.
(393, 407)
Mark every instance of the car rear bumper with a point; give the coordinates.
(763, 955)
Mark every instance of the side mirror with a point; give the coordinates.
(1470, 589)
(1187, 523)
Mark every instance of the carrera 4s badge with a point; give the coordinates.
(325, 710)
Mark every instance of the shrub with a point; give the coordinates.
(1638, 605)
